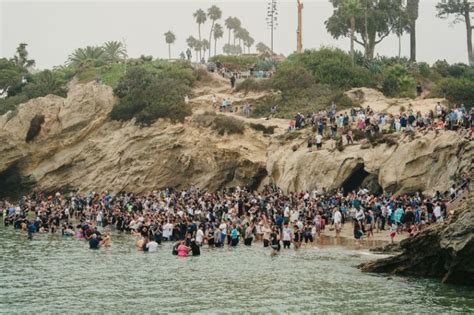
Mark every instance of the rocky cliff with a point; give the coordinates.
(444, 250)
(76, 146)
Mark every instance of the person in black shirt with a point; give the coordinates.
(94, 242)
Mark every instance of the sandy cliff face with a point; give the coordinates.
(427, 162)
(80, 148)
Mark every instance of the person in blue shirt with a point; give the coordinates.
(94, 242)
(31, 230)
(234, 236)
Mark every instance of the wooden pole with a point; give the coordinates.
(299, 37)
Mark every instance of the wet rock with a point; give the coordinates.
(444, 251)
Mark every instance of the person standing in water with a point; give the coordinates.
(275, 240)
(31, 230)
(183, 250)
(297, 237)
(234, 236)
(286, 236)
(337, 221)
(248, 235)
(266, 235)
(94, 242)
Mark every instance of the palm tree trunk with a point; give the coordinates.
(210, 37)
(169, 51)
(229, 37)
(412, 41)
(467, 18)
(200, 50)
(215, 46)
(352, 37)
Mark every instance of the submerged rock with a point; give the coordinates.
(444, 250)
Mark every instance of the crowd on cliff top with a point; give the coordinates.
(373, 123)
(195, 217)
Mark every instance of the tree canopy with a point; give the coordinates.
(383, 18)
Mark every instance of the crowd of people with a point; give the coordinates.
(193, 218)
(343, 125)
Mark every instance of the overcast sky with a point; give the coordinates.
(53, 29)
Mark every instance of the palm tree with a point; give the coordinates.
(205, 46)
(218, 33)
(237, 25)
(197, 48)
(229, 24)
(170, 39)
(248, 42)
(201, 18)
(352, 8)
(21, 58)
(91, 55)
(114, 52)
(241, 34)
(262, 48)
(214, 14)
(191, 42)
(412, 11)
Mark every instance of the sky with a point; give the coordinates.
(53, 29)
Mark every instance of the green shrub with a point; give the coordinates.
(456, 91)
(88, 74)
(201, 74)
(290, 79)
(236, 63)
(220, 123)
(225, 124)
(10, 103)
(343, 101)
(39, 84)
(44, 83)
(112, 74)
(331, 66)
(266, 130)
(251, 84)
(358, 134)
(398, 82)
(149, 95)
(424, 70)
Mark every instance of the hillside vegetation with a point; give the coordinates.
(314, 79)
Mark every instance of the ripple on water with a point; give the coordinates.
(55, 274)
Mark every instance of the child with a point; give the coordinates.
(357, 232)
(393, 231)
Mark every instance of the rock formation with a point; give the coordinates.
(78, 147)
(444, 250)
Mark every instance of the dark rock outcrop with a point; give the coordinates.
(444, 251)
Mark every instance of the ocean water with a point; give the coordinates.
(56, 274)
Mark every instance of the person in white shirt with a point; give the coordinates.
(168, 231)
(199, 236)
(286, 236)
(223, 231)
(319, 141)
(152, 246)
(337, 221)
(437, 213)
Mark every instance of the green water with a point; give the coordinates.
(54, 274)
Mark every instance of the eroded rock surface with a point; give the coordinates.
(78, 147)
(443, 251)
